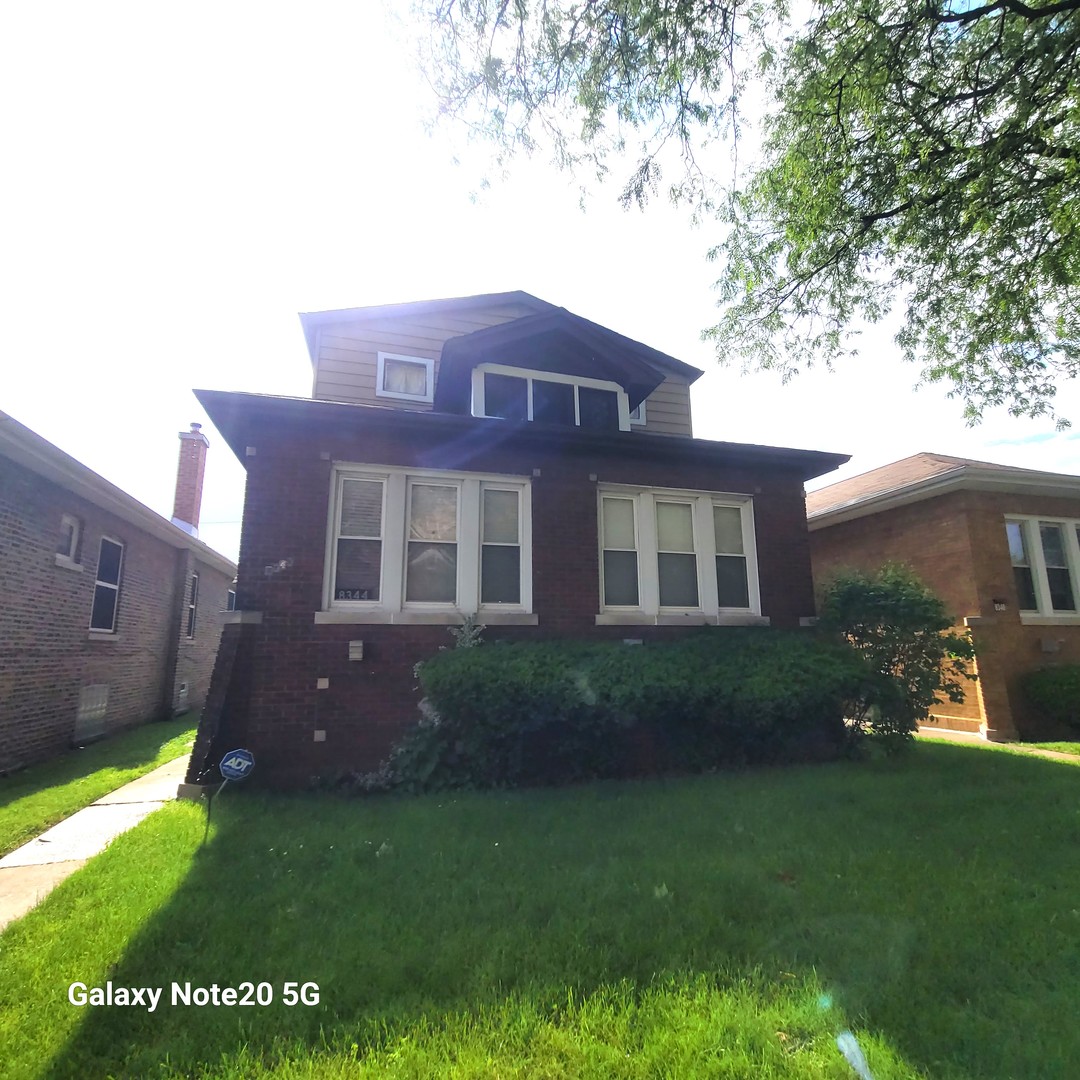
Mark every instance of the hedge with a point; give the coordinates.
(553, 712)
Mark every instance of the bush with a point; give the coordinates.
(554, 712)
(905, 634)
(1056, 692)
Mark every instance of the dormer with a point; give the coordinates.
(508, 356)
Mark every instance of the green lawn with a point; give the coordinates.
(722, 926)
(1060, 747)
(36, 798)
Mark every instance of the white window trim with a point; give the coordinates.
(708, 608)
(95, 630)
(531, 374)
(68, 560)
(391, 605)
(429, 365)
(1045, 615)
(639, 420)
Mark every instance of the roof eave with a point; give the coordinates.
(27, 448)
(962, 478)
(233, 414)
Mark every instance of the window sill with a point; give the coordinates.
(102, 635)
(640, 618)
(234, 618)
(1071, 618)
(423, 618)
(68, 564)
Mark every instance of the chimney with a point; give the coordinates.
(189, 479)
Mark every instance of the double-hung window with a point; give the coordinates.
(107, 586)
(432, 561)
(192, 605)
(1045, 556)
(405, 540)
(676, 553)
(358, 562)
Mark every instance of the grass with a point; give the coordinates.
(724, 926)
(36, 798)
(1060, 747)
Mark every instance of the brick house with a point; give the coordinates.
(998, 544)
(496, 456)
(111, 614)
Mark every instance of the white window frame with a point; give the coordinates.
(98, 583)
(429, 366)
(397, 484)
(68, 559)
(531, 375)
(702, 503)
(1029, 526)
(639, 420)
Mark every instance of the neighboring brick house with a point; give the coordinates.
(495, 456)
(998, 544)
(111, 615)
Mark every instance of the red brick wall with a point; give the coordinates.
(47, 653)
(195, 655)
(957, 544)
(369, 703)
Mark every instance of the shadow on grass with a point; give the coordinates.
(131, 749)
(935, 900)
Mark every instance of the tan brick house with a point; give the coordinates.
(110, 614)
(493, 456)
(999, 544)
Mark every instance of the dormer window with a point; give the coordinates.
(407, 378)
(547, 397)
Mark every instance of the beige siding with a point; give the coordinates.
(667, 409)
(348, 352)
(348, 361)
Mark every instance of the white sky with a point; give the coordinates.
(183, 179)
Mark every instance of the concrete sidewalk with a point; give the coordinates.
(29, 873)
(973, 739)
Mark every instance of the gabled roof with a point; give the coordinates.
(924, 476)
(312, 320)
(27, 448)
(556, 340)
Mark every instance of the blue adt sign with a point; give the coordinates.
(237, 764)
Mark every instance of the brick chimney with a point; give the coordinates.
(189, 479)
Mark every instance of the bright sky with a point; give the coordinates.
(182, 180)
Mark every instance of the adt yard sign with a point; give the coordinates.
(237, 764)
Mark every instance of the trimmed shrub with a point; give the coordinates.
(555, 712)
(1055, 692)
(903, 631)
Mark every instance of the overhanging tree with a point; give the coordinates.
(925, 154)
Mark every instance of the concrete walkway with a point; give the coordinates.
(975, 739)
(29, 874)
